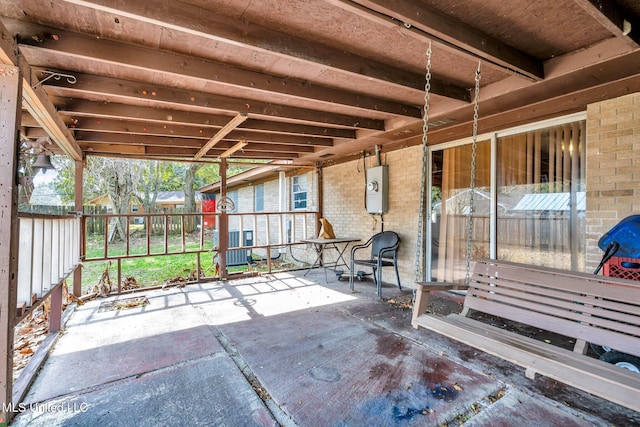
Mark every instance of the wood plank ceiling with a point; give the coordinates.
(305, 81)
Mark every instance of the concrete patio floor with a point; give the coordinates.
(288, 350)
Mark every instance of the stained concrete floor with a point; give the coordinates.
(285, 350)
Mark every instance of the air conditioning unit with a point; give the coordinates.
(236, 256)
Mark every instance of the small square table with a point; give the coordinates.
(339, 244)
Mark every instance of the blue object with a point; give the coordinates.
(627, 235)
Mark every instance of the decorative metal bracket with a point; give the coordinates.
(56, 76)
(226, 204)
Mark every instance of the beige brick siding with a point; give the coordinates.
(613, 167)
(276, 230)
(344, 206)
(613, 189)
(613, 185)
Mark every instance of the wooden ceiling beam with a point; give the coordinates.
(97, 138)
(91, 124)
(278, 148)
(141, 140)
(246, 154)
(35, 99)
(27, 120)
(186, 154)
(612, 17)
(298, 129)
(70, 47)
(179, 16)
(109, 89)
(235, 148)
(233, 123)
(300, 141)
(444, 30)
(108, 149)
(79, 108)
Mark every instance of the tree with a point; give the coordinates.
(190, 195)
(25, 189)
(126, 180)
(120, 182)
(150, 179)
(189, 189)
(65, 180)
(207, 174)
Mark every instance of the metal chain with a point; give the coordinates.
(420, 261)
(472, 182)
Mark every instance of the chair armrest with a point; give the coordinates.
(354, 248)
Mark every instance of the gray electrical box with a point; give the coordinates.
(378, 190)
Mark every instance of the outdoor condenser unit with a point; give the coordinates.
(236, 256)
(378, 190)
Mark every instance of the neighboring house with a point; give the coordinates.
(267, 192)
(102, 201)
(175, 200)
(165, 200)
(270, 190)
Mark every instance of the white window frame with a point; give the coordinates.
(493, 137)
(299, 187)
(258, 197)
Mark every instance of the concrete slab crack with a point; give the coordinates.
(281, 416)
(476, 408)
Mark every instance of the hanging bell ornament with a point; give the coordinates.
(43, 161)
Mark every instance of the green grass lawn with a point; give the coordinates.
(148, 270)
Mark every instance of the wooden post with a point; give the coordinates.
(55, 309)
(320, 197)
(223, 229)
(77, 274)
(319, 213)
(10, 113)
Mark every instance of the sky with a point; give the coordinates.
(44, 177)
(43, 192)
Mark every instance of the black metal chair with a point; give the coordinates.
(384, 253)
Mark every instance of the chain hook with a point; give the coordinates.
(472, 181)
(420, 260)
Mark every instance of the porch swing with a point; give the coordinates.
(583, 307)
(420, 256)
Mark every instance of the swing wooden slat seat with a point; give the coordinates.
(588, 308)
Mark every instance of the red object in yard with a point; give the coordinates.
(209, 205)
(622, 268)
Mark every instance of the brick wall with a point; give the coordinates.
(344, 206)
(613, 167)
(613, 186)
(246, 203)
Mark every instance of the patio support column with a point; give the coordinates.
(223, 236)
(77, 274)
(282, 207)
(320, 198)
(282, 192)
(10, 112)
(55, 310)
